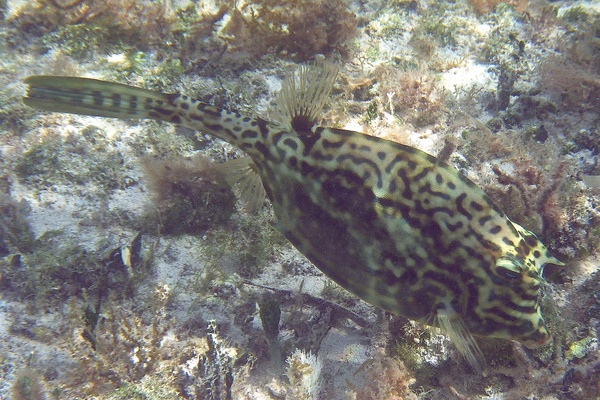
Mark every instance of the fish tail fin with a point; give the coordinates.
(94, 97)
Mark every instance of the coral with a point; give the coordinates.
(212, 376)
(300, 28)
(304, 373)
(384, 378)
(28, 385)
(190, 195)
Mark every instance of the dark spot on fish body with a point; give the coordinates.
(483, 220)
(308, 141)
(453, 227)
(317, 155)
(392, 186)
(328, 144)
(133, 102)
(399, 158)
(427, 189)
(291, 143)
(264, 150)
(431, 211)
(460, 208)
(306, 169)
(537, 254)
(421, 174)
(499, 312)
(495, 230)
(176, 119)
(262, 127)
(116, 100)
(210, 110)
(249, 134)
(406, 193)
(276, 137)
(507, 241)
(98, 98)
(147, 104)
(531, 240)
(162, 111)
(381, 155)
(438, 179)
(360, 161)
(409, 277)
(476, 206)
(185, 106)
(281, 153)
(450, 185)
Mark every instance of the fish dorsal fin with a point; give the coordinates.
(241, 174)
(304, 94)
(453, 325)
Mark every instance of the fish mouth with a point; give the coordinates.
(538, 339)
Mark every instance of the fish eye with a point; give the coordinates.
(507, 273)
(508, 267)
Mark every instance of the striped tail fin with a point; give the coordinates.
(94, 97)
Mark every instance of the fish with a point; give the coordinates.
(397, 227)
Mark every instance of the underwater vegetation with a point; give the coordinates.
(190, 196)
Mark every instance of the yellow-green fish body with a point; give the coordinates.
(399, 228)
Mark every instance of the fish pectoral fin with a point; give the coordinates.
(454, 326)
(241, 174)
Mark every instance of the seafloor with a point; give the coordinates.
(129, 271)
